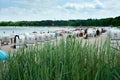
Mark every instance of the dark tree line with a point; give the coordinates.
(89, 22)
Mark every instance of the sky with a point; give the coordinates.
(37, 10)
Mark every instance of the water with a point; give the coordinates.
(20, 30)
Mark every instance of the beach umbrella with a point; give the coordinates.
(3, 55)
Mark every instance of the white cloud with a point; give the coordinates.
(84, 5)
(100, 4)
(60, 9)
(78, 6)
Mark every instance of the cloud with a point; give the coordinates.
(78, 6)
(99, 4)
(59, 9)
(84, 5)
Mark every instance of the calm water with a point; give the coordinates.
(19, 30)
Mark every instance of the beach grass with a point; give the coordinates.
(68, 59)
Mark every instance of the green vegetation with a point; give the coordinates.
(70, 60)
(89, 22)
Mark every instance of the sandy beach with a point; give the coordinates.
(91, 40)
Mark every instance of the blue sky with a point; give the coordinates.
(37, 10)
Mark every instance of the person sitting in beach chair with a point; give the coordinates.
(85, 36)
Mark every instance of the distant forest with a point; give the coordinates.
(89, 22)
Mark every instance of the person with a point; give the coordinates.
(85, 32)
(85, 36)
(11, 39)
(48, 32)
(13, 32)
(4, 32)
(97, 32)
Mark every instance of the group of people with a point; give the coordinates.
(88, 32)
(97, 33)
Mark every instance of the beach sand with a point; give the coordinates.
(91, 40)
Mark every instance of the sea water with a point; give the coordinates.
(20, 30)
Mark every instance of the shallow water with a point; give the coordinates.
(19, 30)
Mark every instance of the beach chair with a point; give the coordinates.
(5, 41)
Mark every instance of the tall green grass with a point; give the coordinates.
(65, 60)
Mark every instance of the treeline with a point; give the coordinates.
(89, 22)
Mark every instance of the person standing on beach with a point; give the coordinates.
(97, 32)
